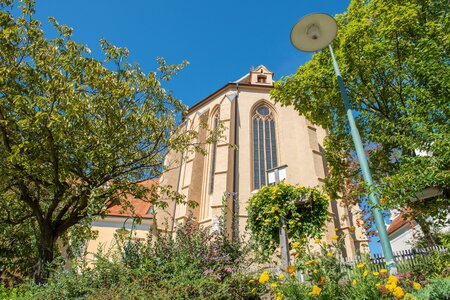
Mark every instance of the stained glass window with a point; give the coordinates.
(264, 145)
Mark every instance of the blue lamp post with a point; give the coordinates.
(315, 32)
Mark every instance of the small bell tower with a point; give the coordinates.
(261, 76)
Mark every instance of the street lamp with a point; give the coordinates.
(315, 32)
(274, 176)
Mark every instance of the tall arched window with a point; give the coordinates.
(264, 144)
(215, 123)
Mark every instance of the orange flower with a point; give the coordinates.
(290, 269)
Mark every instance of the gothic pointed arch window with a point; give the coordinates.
(264, 144)
(212, 170)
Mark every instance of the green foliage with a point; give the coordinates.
(394, 59)
(196, 264)
(434, 265)
(326, 277)
(75, 136)
(304, 210)
(437, 289)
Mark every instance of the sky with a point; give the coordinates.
(222, 40)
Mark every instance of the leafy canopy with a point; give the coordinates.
(394, 60)
(75, 135)
(304, 210)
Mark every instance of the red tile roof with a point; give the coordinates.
(140, 206)
(398, 223)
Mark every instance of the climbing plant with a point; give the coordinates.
(304, 210)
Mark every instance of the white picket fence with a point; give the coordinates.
(405, 259)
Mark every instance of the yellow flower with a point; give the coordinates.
(398, 293)
(317, 241)
(281, 276)
(361, 265)
(274, 209)
(335, 237)
(295, 245)
(274, 286)
(267, 221)
(391, 287)
(375, 273)
(312, 261)
(365, 273)
(279, 296)
(383, 271)
(315, 271)
(297, 254)
(354, 281)
(315, 290)
(416, 285)
(392, 280)
(264, 277)
(290, 269)
(377, 284)
(329, 254)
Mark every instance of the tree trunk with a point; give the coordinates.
(45, 256)
(426, 230)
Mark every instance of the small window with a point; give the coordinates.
(151, 210)
(262, 79)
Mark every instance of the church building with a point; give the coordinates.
(265, 135)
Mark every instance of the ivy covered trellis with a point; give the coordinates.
(304, 209)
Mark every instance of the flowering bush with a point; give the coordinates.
(304, 210)
(326, 278)
(196, 264)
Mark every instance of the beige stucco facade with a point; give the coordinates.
(299, 145)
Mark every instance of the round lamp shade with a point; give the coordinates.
(314, 32)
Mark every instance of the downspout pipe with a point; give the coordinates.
(235, 207)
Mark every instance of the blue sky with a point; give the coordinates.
(222, 40)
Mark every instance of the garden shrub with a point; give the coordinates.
(437, 289)
(304, 210)
(325, 277)
(196, 264)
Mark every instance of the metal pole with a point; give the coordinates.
(284, 238)
(379, 221)
(284, 245)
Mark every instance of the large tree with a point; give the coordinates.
(394, 58)
(75, 136)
